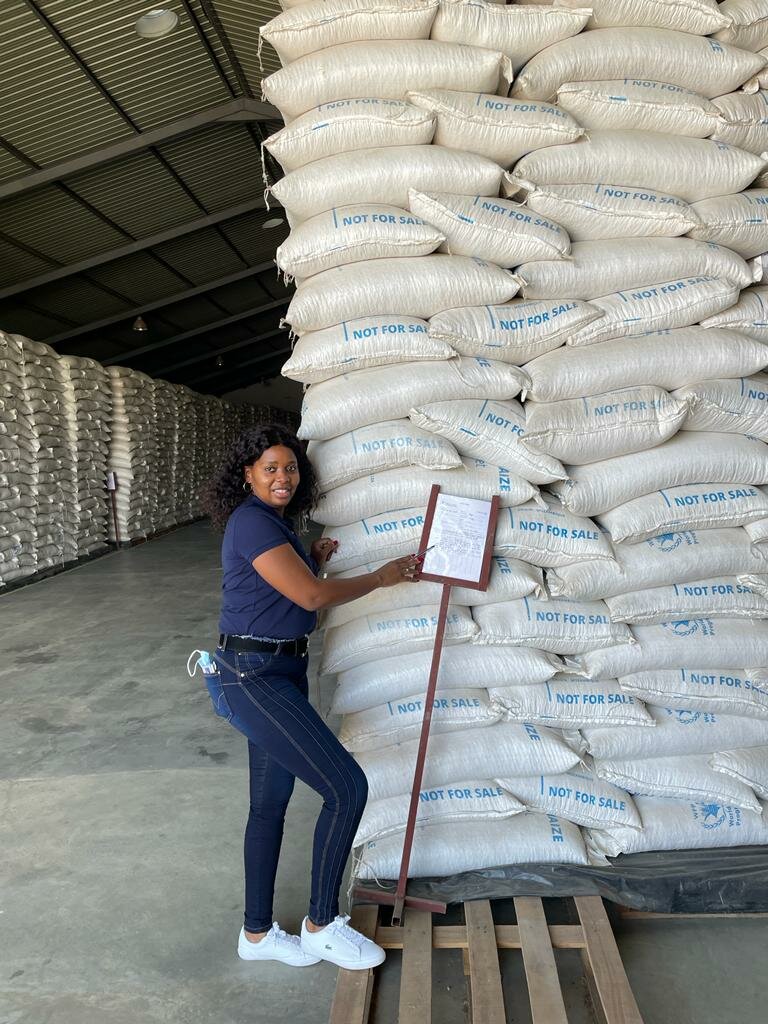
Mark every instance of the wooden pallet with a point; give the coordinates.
(480, 940)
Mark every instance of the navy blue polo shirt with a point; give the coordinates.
(250, 606)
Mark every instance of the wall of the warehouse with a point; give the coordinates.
(279, 392)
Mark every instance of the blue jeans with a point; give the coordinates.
(264, 696)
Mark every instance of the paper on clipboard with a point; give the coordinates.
(459, 533)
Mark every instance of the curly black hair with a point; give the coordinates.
(224, 491)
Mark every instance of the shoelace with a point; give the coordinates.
(340, 927)
(283, 936)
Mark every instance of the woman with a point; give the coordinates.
(271, 596)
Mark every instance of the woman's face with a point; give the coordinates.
(274, 477)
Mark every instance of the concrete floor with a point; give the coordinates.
(124, 800)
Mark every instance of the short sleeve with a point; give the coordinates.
(254, 533)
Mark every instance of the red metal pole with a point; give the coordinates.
(418, 774)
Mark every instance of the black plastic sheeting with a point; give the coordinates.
(672, 882)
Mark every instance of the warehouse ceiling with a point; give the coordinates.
(131, 184)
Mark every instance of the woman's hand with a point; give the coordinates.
(401, 570)
(321, 550)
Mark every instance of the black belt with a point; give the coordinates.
(291, 648)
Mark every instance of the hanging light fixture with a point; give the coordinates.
(219, 360)
(157, 23)
(139, 324)
(273, 222)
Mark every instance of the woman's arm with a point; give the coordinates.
(282, 568)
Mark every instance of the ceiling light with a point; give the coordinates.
(139, 324)
(273, 222)
(157, 23)
(219, 360)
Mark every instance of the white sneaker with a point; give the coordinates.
(342, 945)
(276, 945)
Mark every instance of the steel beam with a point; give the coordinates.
(200, 224)
(196, 331)
(169, 300)
(214, 353)
(241, 109)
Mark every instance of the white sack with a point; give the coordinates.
(748, 23)
(513, 333)
(722, 597)
(593, 212)
(677, 731)
(626, 105)
(546, 534)
(708, 643)
(743, 121)
(391, 68)
(383, 175)
(699, 17)
(692, 507)
(492, 431)
(623, 264)
(392, 634)
(362, 344)
(688, 457)
(464, 801)
(453, 847)
(560, 626)
(378, 447)
(377, 538)
(749, 316)
(576, 796)
(583, 430)
(394, 678)
(509, 580)
(676, 825)
(343, 126)
(311, 27)
(749, 765)
(419, 287)
(732, 406)
(659, 561)
(729, 692)
(566, 702)
(371, 396)
(349, 234)
(668, 359)
(496, 127)
(519, 32)
(686, 777)
(648, 54)
(677, 303)
(490, 229)
(406, 488)
(397, 721)
(738, 221)
(690, 169)
(501, 750)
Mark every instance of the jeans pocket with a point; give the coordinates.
(215, 688)
(251, 665)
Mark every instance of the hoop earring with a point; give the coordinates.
(247, 486)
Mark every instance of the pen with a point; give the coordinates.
(423, 551)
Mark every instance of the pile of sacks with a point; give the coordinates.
(87, 402)
(18, 451)
(549, 295)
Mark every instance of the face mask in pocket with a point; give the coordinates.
(213, 683)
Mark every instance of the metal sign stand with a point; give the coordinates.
(399, 899)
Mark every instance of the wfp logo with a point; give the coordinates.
(687, 717)
(682, 627)
(668, 541)
(712, 816)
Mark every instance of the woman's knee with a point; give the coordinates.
(349, 791)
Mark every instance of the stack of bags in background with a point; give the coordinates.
(133, 453)
(56, 516)
(166, 435)
(18, 448)
(88, 401)
(414, 356)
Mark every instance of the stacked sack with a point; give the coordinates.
(56, 518)
(166, 443)
(633, 344)
(18, 452)
(87, 402)
(133, 452)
